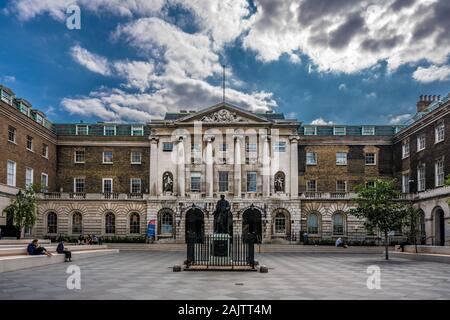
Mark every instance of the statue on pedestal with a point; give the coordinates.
(221, 216)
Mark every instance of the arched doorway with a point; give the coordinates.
(439, 227)
(251, 223)
(195, 224)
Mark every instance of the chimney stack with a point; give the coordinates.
(425, 101)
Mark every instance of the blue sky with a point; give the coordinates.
(345, 61)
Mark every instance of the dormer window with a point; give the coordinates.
(310, 131)
(137, 130)
(82, 130)
(368, 131)
(5, 96)
(109, 131)
(340, 131)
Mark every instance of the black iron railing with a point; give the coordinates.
(221, 250)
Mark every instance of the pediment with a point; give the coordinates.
(223, 113)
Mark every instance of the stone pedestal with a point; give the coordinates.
(220, 249)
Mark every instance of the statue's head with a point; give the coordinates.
(222, 196)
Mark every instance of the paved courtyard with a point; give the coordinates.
(148, 275)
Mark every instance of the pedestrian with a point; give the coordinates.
(60, 249)
(34, 249)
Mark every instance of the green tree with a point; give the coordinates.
(23, 209)
(412, 223)
(380, 209)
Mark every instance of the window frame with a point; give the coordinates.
(75, 160)
(406, 149)
(345, 186)
(438, 178)
(252, 173)
(140, 157)
(314, 128)
(165, 149)
(280, 146)
(315, 159)
(103, 185)
(346, 160)
(137, 128)
(223, 182)
(364, 131)
(12, 131)
(336, 132)
(421, 181)
(421, 142)
(131, 185)
(55, 225)
(133, 224)
(45, 150)
(112, 157)
(14, 173)
(308, 224)
(440, 125)
(30, 144)
(308, 189)
(44, 187)
(374, 158)
(406, 177)
(196, 175)
(75, 184)
(109, 127)
(340, 232)
(29, 180)
(77, 129)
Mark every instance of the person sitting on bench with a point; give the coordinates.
(340, 243)
(34, 249)
(60, 249)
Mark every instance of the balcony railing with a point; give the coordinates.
(77, 195)
(328, 195)
(111, 195)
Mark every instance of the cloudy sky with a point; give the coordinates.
(320, 61)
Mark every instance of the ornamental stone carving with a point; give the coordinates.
(222, 116)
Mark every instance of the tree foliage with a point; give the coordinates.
(380, 208)
(23, 209)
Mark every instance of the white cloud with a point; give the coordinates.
(91, 61)
(399, 119)
(431, 74)
(342, 87)
(371, 95)
(9, 79)
(138, 74)
(320, 121)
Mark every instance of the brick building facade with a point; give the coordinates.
(281, 177)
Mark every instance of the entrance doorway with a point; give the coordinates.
(251, 223)
(195, 224)
(439, 227)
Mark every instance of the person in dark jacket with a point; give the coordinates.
(60, 249)
(34, 248)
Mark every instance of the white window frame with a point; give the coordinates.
(421, 142)
(337, 133)
(421, 178)
(252, 149)
(337, 162)
(167, 149)
(374, 159)
(30, 138)
(252, 173)
(45, 148)
(77, 129)
(75, 156)
(112, 184)
(309, 133)
(368, 131)
(199, 176)
(29, 179)
(405, 149)
(308, 189)
(137, 128)
(345, 185)
(14, 131)
(308, 163)
(280, 146)
(439, 173)
(140, 157)
(5, 96)
(75, 185)
(109, 126)
(14, 173)
(112, 157)
(405, 182)
(223, 147)
(227, 182)
(131, 185)
(44, 186)
(439, 133)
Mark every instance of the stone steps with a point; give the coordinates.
(13, 263)
(23, 242)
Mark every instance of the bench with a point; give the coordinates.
(19, 262)
(22, 250)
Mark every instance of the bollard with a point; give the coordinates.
(263, 269)
(176, 268)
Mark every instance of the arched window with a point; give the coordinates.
(313, 223)
(52, 223)
(338, 224)
(166, 223)
(77, 220)
(279, 182)
(280, 223)
(135, 223)
(110, 223)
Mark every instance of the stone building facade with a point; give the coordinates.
(282, 178)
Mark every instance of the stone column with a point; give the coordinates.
(181, 170)
(153, 179)
(209, 179)
(294, 166)
(237, 166)
(266, 166)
